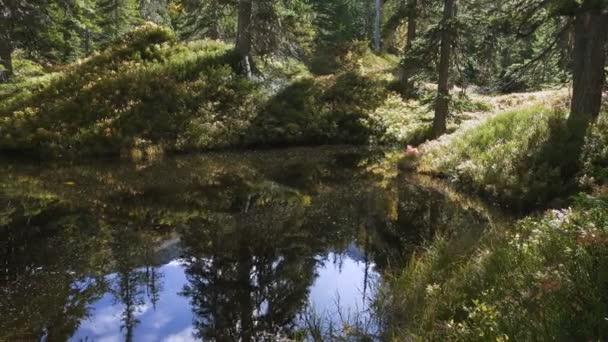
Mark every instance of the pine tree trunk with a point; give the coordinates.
(443, 89)
(412, 16)
(565, 46)
(87, 41)
(214, 30)
(406, 70)
(378, 25)
(243, 38)
(6, 60)
(591, 31)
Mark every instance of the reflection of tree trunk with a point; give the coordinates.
(588, 72)
(377, 25)
(243, 38)
(127, 293)
(366, 251)
(443, 89)
(245, 302)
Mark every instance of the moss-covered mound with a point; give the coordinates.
(148, 94)
(145, 90)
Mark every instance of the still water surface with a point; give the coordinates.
(226, 246)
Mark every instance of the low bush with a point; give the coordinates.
(347, 108)
(335, 58)
(399, 122)
(147, 94)
(595, 154)
(145, 87)
(322, 110)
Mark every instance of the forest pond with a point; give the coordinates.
(222, 246)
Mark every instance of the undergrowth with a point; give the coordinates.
(544, 279)
(147, 94)
(521, 158)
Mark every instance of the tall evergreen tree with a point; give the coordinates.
(116, 16)
(22, 23)
(589, 61)
(155, 11)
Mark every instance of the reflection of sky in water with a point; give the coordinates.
(340, 277)
(170, 321)
(340, 287)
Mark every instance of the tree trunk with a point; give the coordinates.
(243, 38)
(406, 70)
(246, 308)
(443, 89)
(565, 46)
(6, 59)
(214, 30)
(591, 31)
(87, 41)
(378, 25)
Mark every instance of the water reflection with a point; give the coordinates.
(218, 247)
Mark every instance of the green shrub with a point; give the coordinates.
(146, 87)
(147, 92)
(323, 110)
(595, 154)
(546, 278)
(339, 57)
(397, 121)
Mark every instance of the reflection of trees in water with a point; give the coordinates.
(254, 231)
(49, 273)
(423, 209)
(54, 265)
(136, 277)
(251, 262)
(249, 268)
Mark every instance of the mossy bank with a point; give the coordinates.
(148, 94)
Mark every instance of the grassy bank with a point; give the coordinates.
(521, 158)
(147, 94)
(542, 278)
